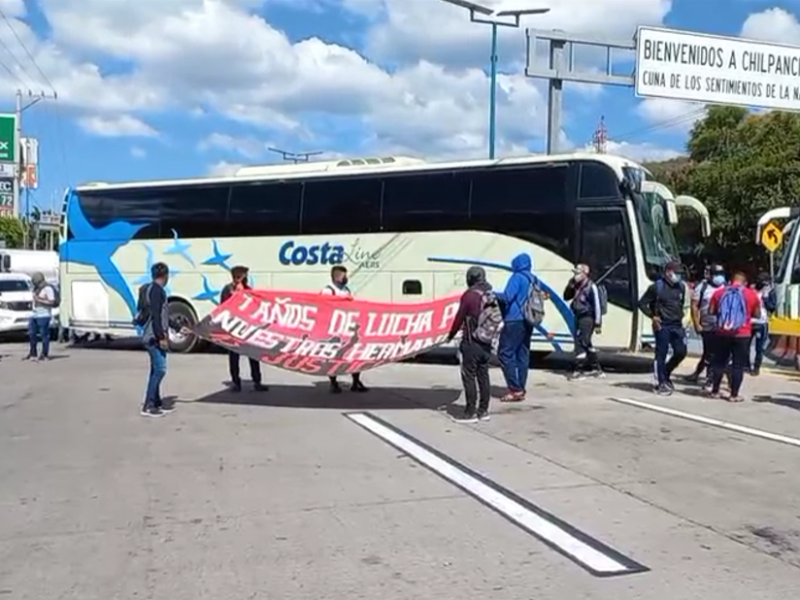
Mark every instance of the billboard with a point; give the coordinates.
(6, 197)
(29, 176)
(696, 67)
(8, 138)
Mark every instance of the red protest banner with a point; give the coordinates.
(319, 334)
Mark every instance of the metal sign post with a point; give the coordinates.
(560, 67)
(771, 239)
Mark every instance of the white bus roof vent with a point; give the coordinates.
(285, 169)
(95, 184)
(380, 161)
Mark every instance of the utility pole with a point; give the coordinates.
(24, 102)
(295, 157)
(600, 138)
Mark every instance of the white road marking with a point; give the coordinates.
(591, 554)
(767, 435)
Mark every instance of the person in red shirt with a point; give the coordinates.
(733, 332)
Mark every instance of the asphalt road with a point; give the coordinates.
(298, 494)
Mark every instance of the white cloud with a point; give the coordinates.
(117, 126)
(772, 25)
(223, 169)
(248, 147)
(214, 58)
(644, 152)
(138, 152)
(664, 115)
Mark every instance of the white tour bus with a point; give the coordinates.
(406, 230)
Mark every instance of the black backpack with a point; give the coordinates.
(143, 306)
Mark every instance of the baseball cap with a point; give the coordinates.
(716, 269)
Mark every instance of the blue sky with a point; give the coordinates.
(189, 87)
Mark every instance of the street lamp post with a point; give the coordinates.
(493, 15)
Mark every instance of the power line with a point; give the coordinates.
(27, 52)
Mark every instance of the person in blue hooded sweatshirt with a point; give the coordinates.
(514, 348)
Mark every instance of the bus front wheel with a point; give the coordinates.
(181, 318)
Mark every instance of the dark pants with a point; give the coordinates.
(475, 375)
(585, 353)
(707, 358)
(39, 327)
(760, 338)
(233, 368)
(735, 350)
(669, 336)
(158, 369)
(514, 352)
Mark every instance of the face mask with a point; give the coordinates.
(718, 280)
(673, 277)
(579, 277)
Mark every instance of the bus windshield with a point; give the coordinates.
(658, 239)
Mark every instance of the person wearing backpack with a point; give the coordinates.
(665, 303)
(769, 304)
(735, 306)
(704, 322)
(479, 320)
(514, 348)
(238, 283)
(587, 307)
(153, 318)
(45, 299)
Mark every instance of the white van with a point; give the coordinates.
(16, 303)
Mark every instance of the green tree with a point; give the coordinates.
(740, 165)
(12, 231)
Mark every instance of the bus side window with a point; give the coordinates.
(597, 181)
(265, 209)
(602, 244)
(343, 205)
(529, 203)
(192, 212)
(426, 202)
(412, 287)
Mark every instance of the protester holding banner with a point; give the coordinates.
(338, 287)
(239, 283)
(479, 321)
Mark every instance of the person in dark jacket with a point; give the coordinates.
(239, 282)
(769, 304)
(514, 350)
(475, 355)
(585, 303)
(664, 302)
(155, 335)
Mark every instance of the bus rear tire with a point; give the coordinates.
(181, 315)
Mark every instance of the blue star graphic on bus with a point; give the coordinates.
(146, 278)
(219, 259)
(208, 293)
(179, 248)
(561, 306)
(95, 247)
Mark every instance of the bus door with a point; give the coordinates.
(604, 242)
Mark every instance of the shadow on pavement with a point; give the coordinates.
(792, 402)
(319, 397)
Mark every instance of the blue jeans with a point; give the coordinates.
(669, 336)
(514, 352)
(39, 327)
(761, 339)
(158, 369)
